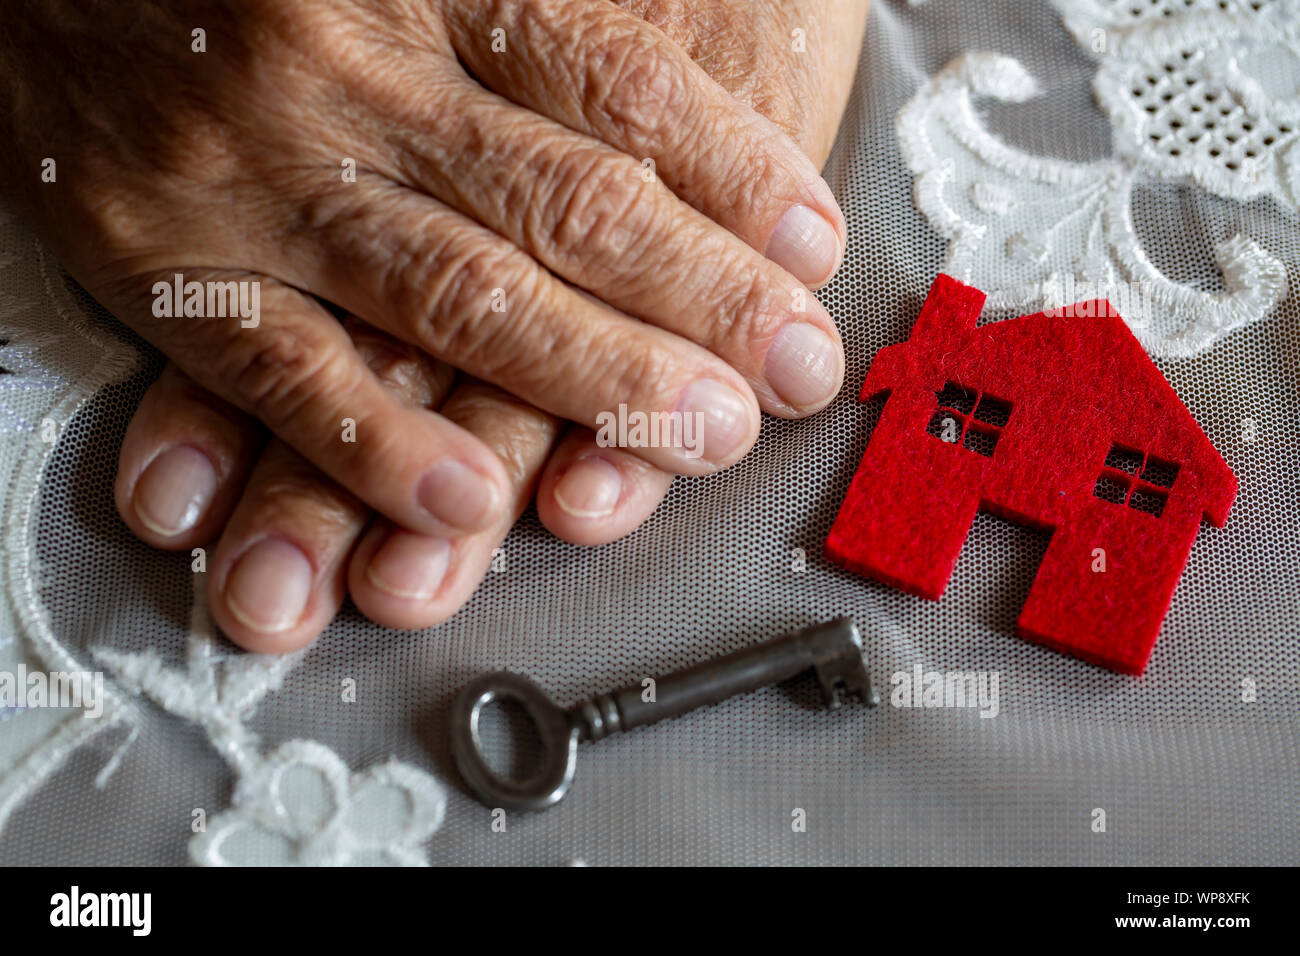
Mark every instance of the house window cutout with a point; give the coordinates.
(958, 398)
(946, 426)
(993, 411)
(1160, 473)
(1133, 478)
(1152, 502)
(970, 418)
(1110, 490)
(980, 441)
(1124, 459)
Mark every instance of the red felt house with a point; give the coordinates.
(1055, 420)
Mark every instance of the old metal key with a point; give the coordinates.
(833, 651)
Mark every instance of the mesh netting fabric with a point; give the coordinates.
(1186, 770)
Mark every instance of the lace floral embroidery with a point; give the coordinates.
(298, 805)
(1035, 231)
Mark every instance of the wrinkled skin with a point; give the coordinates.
(747, 48)
(226, 164)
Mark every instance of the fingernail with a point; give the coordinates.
(269, 585)
(410, 566)
(722, 424)
(804, 366)
(805, 245)
(590, 488)
(172, 494)
(458, 496)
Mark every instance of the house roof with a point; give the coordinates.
(1076, 368)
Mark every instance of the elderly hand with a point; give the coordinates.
(521, 189)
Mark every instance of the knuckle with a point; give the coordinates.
(749, 179)
(283, 478)
(409, 378)
(282, 373)
(413, 377)
(288, 488)
(599, 216)
(635, 87)
(749, 310)
(454, 297)
(635, 368)
(118, 233)
(521, 435)
(333, 219)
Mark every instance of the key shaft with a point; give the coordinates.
(825, 648)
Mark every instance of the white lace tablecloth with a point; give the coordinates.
(1033, 149)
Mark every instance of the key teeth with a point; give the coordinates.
(836, 684)
(833, 694)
